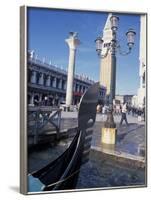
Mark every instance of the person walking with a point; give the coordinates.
(139, 114)
(103, 112)
(124, 111)
(98, 108)
(118, 109)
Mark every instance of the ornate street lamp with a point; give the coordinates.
(114, 42)
(130, 37)
(113, 46)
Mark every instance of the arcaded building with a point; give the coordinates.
(48, 82)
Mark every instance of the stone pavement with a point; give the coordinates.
(106, 173)
(130, 139)
(119, 165)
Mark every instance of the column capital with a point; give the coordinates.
(33, 71)
(73, 40)
(41, 74)
(47, 76)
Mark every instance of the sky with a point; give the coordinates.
(48, 29)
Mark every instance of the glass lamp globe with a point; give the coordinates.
(99, 43)
(130, 37)
(114, 22)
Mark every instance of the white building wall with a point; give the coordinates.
(135, 101)
(142, 59)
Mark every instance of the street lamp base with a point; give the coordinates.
(109, 123)
(109, 131)
(109, 135)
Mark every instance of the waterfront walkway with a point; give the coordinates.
(130, 139)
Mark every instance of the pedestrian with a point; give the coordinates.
(133, 111)
(118, 110)
(128, 110)
(124, 111)
(114, 109)
(139, 113)
(98, 108)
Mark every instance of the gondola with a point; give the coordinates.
(62, 173)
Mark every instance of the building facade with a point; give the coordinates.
(47, 84)
(142, 59)
(124, 98)
(135, 101)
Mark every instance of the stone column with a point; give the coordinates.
(78, 88)
(72, 42)
(48, 81)
(51, 81)
(40, 98)
(54, 82)
(33, 77)
(65, 85)
(83, 89)
(31, 99)
(41, 79)
(74, 87)
(60, 84)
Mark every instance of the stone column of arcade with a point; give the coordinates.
(54, 82)
(60, 84)
(32, 99)
(48, 81)
(33, 77)
(41, 79)
(72, 42)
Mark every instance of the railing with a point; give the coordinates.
(43, 119)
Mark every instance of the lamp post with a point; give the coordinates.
(112, 48)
